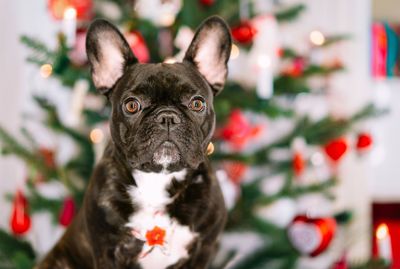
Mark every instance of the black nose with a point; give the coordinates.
(168, 119)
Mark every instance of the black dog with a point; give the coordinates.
(152, 201)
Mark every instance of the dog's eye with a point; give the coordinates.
(197, 104)
(132, 105)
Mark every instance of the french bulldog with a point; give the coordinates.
(153, 201)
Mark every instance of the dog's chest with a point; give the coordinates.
(166, 241)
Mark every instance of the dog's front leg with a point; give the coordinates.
(127, 252)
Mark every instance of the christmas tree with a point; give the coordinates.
(268, 153)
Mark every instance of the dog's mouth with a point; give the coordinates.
(166, 154)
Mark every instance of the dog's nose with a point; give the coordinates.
(168, 119)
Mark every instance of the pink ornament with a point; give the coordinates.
(68, 212)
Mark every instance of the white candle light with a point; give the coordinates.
(69, 26)
(384, 242)
(265, 78)
(79, 92)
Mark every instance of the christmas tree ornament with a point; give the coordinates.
(210, 148)
(238, 130)
(138, 46)
(298, 164)
(311, 236)
(295, 68)
(84, 8)
(364, 141)
(235, 171)
(336, 148)
(207, 3)
(244, 32)
(67, 212)
(48, 157)
(20, 221)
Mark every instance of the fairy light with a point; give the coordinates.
(46, 70)
(382, 231)
(234, 52)
(317, 38)
(96, 136)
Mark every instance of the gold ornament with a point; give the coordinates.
(210, 148)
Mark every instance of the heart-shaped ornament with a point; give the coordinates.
(336, 148)
(311, 236)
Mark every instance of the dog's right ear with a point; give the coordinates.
(108, 53)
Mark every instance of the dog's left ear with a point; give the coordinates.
(108, 53)
(210, 50)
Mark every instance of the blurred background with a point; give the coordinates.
(307, 137)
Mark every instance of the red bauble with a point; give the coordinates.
(296, 68)
(20, 221)
(68, 212)
(298, 163)
(244, 32)
(311, 236)
(84, 8)
(138, 46)
(235, 171)
(364, 141)
(207, 2)
(238, 131)
(48, 157)
(336, 148)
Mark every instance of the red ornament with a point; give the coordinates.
(84, 8)
(235, 171)
(20, 221)
(48, 157)
(207, 2)
(311, 236)
(138, 46)
(238, 131)
(68, 212)
(296, 68)
(336, 148)
(298, 163)
(364, 141)
(155, 236)
(244, 32)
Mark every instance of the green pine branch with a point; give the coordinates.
(290, 13)
(15, 253)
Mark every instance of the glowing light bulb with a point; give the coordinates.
(96, 136)
(317, 38)
(70, 13)
(46, 70)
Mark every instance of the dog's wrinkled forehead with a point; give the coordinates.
(163, 82)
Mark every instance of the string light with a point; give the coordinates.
(167, 19)
(317, 38)
(234, 52)
(46, 70)
(96, 136)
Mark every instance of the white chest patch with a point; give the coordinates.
(151, 196)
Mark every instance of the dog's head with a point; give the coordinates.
(162, 114)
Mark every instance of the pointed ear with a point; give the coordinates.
(210, 50)
(108, 54)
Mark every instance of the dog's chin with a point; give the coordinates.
(167, 154)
